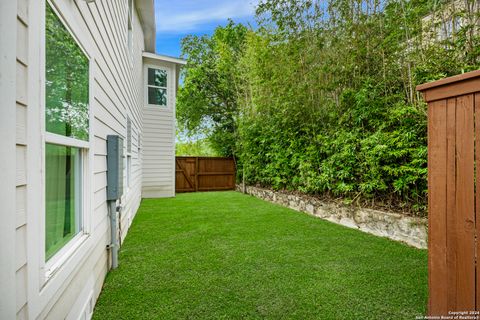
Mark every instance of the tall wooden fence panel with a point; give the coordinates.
(453, 194)
(204, 174)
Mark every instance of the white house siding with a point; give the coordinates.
(22, 106)
(159, 140)
(8, 176)
(69, 290)
(117, 84)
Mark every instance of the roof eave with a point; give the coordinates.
(165, 58)
(146, 12)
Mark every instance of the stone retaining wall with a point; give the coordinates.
(410, 230)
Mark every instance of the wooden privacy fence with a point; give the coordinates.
(204, 174)
(453, 194)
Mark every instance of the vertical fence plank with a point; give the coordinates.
(477, 192)
(465, 202)
(437, 260)
(196, 174)
(452, 244)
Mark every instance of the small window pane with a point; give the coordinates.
(62, 196)
(66, 81)
(157, 77)
(130, 9)
(157, 96)
(129, 170)
(129, 135)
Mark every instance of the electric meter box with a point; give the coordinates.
(114, 167)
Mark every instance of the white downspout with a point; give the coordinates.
(112, 210)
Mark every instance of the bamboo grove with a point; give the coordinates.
(319, 97)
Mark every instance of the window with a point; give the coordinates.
(129, 27)
(129, 135)
(129, 151)
(129, 171)
(138, 144)
(157, 87)
(457, 22)
(63, 195)
(448, 29)
(67, 126)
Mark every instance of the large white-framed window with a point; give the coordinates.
(66, 142)
(157, 81)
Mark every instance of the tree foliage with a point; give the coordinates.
(195, 148)
(324, 93)
(207, 101)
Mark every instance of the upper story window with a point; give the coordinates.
(157, 87)
(130, 28)
(66, 139)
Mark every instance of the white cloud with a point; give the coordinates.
(181, 16)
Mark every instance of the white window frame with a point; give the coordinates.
(77, 246)
(167, 88)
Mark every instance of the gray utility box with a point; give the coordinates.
(114, 167)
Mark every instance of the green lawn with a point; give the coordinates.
(225, 255)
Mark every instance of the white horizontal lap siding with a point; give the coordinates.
(159, 141)
(11, 198)
(116, 83)
(65, 300)
(132, 195)
(22, 101)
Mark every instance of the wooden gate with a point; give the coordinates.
(453, 194)
(204, 174)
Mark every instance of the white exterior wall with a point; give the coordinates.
(159, 139)
(23, 105)
(117, 91)
(8, 67)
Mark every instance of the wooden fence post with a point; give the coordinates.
(196, 174)
(453, 128)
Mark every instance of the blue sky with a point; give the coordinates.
(178, 18)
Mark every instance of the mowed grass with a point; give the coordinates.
(225, 255)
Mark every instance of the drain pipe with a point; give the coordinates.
(119, 219)
(112, 208)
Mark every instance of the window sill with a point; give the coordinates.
(55, 264)
(157, 106)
